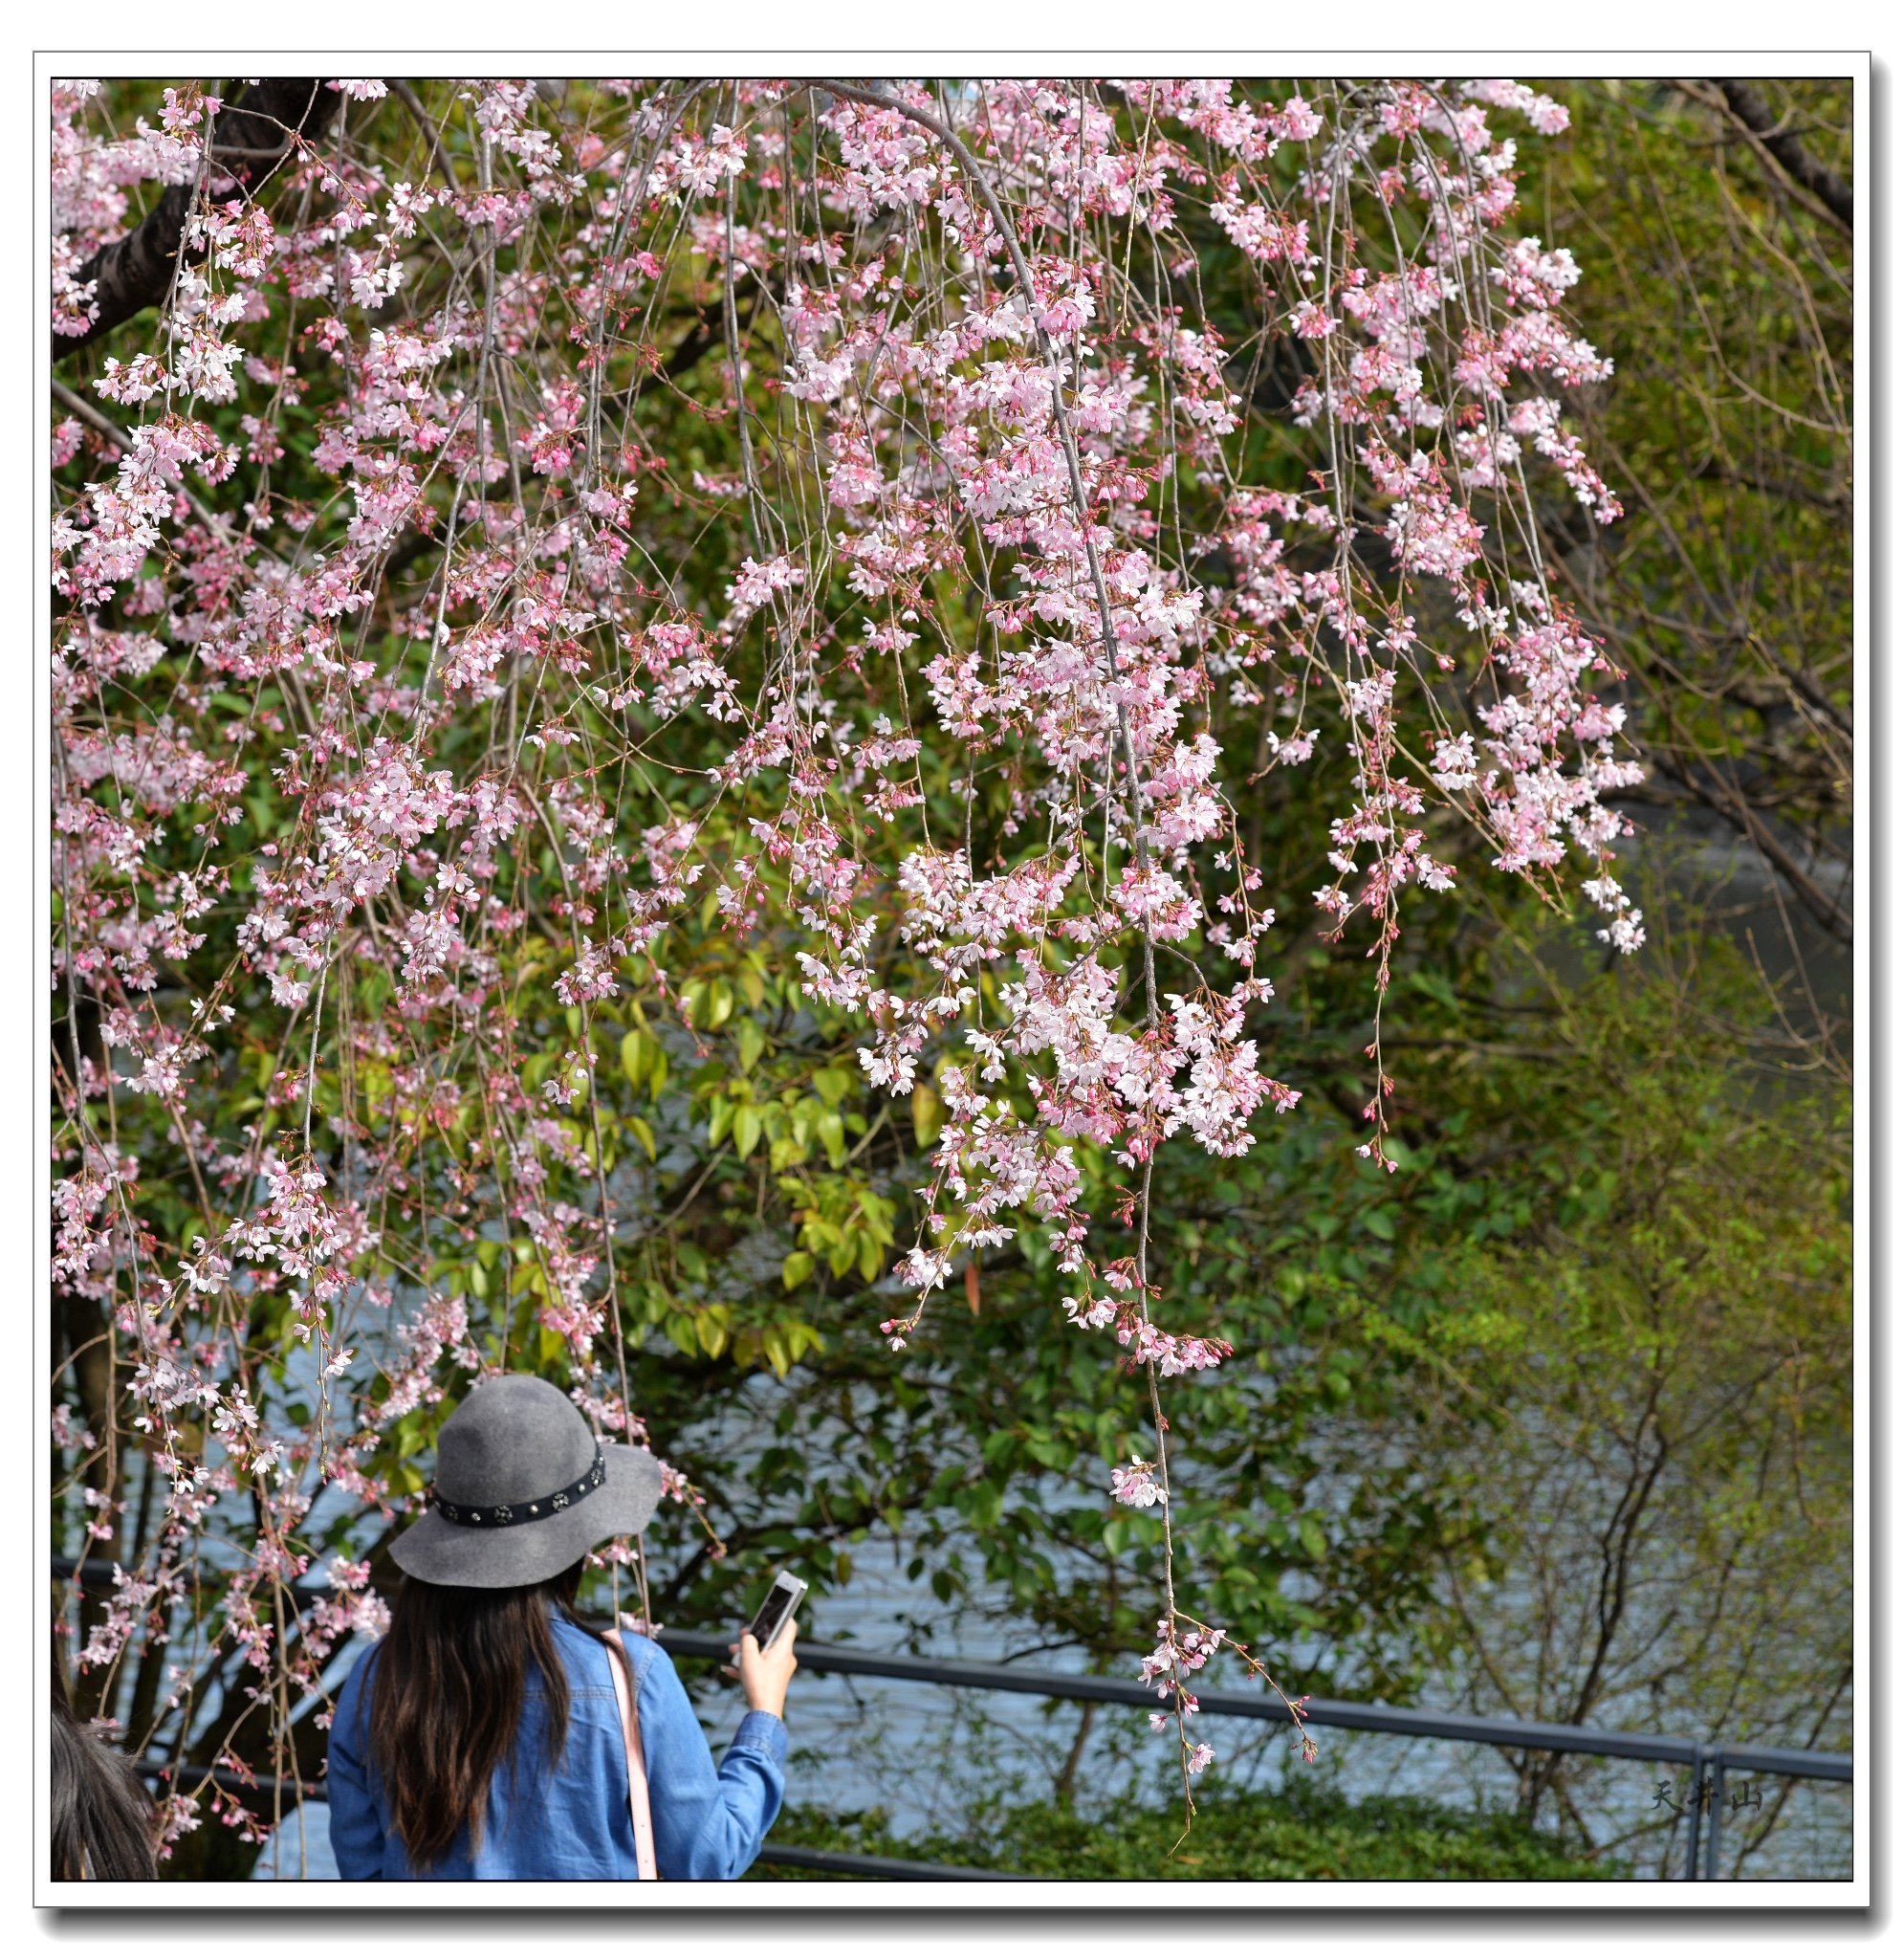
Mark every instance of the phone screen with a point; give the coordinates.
(773, 1608)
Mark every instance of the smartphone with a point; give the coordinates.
(778, 1608)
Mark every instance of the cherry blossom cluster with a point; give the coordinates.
(982, 542)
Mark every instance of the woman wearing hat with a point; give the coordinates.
(489, 1734)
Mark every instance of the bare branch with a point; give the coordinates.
(1749, 110)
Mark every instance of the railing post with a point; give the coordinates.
(1718, 1813)
(1693, 1807)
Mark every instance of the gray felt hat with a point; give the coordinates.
(523, 1490)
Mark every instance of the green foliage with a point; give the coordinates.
(1725, 298)
(1309, 1831)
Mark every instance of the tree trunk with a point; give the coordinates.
(248, 143)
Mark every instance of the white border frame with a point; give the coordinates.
(32, 1175)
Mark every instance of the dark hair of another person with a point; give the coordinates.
(447, 1697)
(104, 1826)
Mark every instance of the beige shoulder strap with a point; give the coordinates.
(631, 1742)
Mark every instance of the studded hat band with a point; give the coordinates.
(498, 1516)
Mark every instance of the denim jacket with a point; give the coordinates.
(708, 1822)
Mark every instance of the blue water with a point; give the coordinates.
(299, 1848)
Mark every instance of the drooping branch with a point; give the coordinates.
(977, 176)
(1068, 442)
(249, 141)
(535, 626)
(420, 116)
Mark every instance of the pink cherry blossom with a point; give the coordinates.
(416, 719)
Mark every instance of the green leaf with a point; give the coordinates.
(1436, 986)
(997, 1447)
(746, 1130)
(796, 1268)
(750, 1039)
(984, 1503)
(637, 1052)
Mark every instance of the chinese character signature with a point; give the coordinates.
(1746, 1796)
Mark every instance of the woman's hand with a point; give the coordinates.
(764, 1676)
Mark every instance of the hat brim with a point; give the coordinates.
(441, 1552)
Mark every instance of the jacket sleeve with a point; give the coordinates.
(709, 1823)
(357, 1835)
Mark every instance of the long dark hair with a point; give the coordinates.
(447, 1696)
(104, 1826)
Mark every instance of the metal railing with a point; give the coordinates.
(1710, 1762)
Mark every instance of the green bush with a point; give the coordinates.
(1307, 1831)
